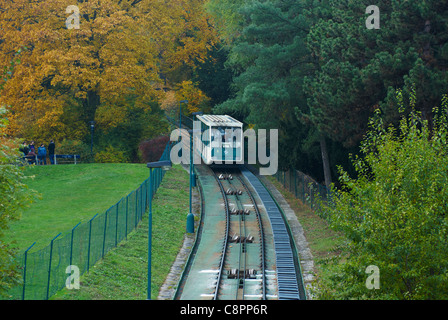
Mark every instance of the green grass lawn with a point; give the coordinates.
(122, 273)
(70, 194)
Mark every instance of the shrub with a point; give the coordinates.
(152, 150)
(111, 155)
(394, 215)
(14, 196)
(74, 147)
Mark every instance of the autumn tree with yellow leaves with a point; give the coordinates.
(197, 100)
(109, 70)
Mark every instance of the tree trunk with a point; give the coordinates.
(326, 161)
(90, 104)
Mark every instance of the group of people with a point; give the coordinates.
(29, 152)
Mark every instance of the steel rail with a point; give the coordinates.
(226, 237)
(242, 225)
(261, 234)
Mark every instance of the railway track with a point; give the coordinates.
(241, 273)
(243, 251)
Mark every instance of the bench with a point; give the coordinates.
(66, 156)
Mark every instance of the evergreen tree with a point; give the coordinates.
(270, 60)
(319, 61)
(213, 77)
(361, 68)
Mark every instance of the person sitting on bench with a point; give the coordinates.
(31, 157)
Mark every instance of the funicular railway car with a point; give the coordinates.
(221, 139)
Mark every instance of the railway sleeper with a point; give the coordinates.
(231, 191)
(241, 239)
(224, 176)
(242, 274)
(240, 211)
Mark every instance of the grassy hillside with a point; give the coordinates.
(122, 273)
(70, 194)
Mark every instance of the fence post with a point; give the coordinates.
(90, 236)
(295, 183)
(303, 188)
(160, 178)
(24, 270)
(126, 232)
(116, 222)
(284, 179)
(104, 236)
(290, 179)
(319, 194)
(137, 203)
(71, 246)
(142, 207)
(49, 265)
(169, 150)
(136, 208)
(146, 193)
(159, 181)
(312, 195)
(153, 181)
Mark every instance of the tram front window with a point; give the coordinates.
(227, 135)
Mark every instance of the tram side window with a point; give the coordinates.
(233, 135)
(227, 134)
(223, 132)
(204, 133)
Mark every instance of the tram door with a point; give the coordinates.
(217, 148)
(226, 145)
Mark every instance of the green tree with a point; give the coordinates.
(213, 77)
(227, 17)
(136, 125)
(360, 68)
(269, 60)
(393, 214)
(14, 196)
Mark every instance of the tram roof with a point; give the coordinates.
(219, 120)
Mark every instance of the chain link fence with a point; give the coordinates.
(44, 272)
(303, 187)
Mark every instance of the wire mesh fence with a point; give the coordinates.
(303, 187)
(46, 271)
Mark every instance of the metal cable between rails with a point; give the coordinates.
(242, 226)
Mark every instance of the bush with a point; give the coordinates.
(111, 155)
(74, 147)
(152, 150)
(394, 215)
(14, 197)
